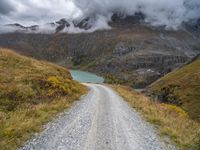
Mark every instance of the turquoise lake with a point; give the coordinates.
(86, 77)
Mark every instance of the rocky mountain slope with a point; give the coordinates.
(132, 52)
(31, 93)
(181, 87)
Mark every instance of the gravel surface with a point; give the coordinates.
(100, 121)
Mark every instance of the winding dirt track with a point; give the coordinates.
(100, 121)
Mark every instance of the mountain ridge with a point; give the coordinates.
(133, 53)
(86, 24)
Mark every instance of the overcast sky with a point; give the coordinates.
(28, 12)
(34, 11)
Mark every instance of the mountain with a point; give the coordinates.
(181, 87)
(192, 27)
(86, 23)
(20, 28)
(131, 52)
(31, 93)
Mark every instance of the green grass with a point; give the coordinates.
(182, 87)
(170, 120)
(31, 94)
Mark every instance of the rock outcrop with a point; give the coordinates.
(131, 52)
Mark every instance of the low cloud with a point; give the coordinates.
(170, 13)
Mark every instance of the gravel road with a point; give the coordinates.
(100, 121)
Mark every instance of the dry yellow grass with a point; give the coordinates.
(169, 119)
(31, 93)
(183, 86)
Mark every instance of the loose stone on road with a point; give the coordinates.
(100, 121)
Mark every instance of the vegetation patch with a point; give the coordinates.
(31, 93)
(111, 79)
(170, 120)
(182, 88)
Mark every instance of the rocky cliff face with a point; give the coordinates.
(131, 52)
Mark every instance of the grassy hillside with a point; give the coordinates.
(170, 120)
(181, 87)
(31, 93)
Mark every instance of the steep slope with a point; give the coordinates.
(31, 93)
(131, 53)
(181, 87)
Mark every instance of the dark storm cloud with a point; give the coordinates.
(6, 7)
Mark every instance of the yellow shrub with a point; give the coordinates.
(54, 80)
(174, 109)
(9, 131)
(31, 93)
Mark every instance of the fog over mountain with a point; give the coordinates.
(170, 13)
